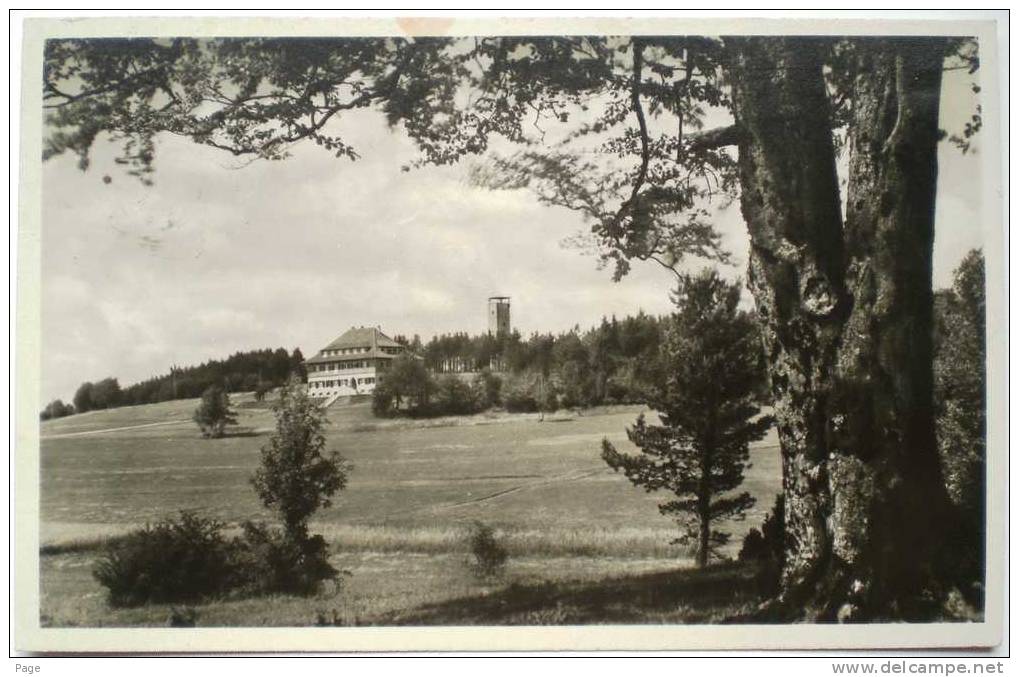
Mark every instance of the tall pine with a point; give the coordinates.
(708, 411)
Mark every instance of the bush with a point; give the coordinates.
(549, 400)
(273, 562)
(453, 397)
(520, 395)
(176, 560)
(489, 556)
(487, 389)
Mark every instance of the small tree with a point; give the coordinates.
(407, 379)
(707, 411)
(214, 413)
(297, 477)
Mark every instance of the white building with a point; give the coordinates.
(351, 364)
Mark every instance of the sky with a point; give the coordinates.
(218, 256)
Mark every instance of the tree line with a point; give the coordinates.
(614, 362)
(254, 370)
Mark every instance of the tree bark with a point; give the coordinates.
(847, 316)
(885, 439)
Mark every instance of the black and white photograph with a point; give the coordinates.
(424, 323)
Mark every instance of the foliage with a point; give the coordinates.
(99, 395)
(767, 546)
(56, 409)
(406, 381)
(519, 394)
(83, 398)
(645, 190)
(296, 476)
(615, 362)
(454, 396)
(176, 560)
(489, 556)
(707, 410)
(487, 389)
(213, 414)
(274, 562)
(960, 391)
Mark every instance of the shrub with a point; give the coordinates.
(273, 562)
(549, 397)
(453, 396)
(176, 560)
(489, 556)
(487, 389)
(519, 395)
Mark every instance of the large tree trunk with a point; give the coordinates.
(847, 316)
(885, 366)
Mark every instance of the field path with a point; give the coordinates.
(111, 430)
(571, 476)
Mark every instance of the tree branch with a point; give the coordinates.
(715, 138)
(645, 151)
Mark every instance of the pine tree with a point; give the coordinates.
(708, 414)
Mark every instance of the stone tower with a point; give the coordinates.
(499, 315)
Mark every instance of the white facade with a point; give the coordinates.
(352, 364)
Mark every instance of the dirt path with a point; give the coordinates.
(111, 430)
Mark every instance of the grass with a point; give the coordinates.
(717, 594)
(635, 542)
(404, 588)
(415, 487)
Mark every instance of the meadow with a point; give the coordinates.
(400, 526)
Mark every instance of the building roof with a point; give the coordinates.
(362, 337)
(357, 337)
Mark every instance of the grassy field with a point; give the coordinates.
(399, 527)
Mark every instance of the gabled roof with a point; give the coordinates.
(357, 337)
(362, 337)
